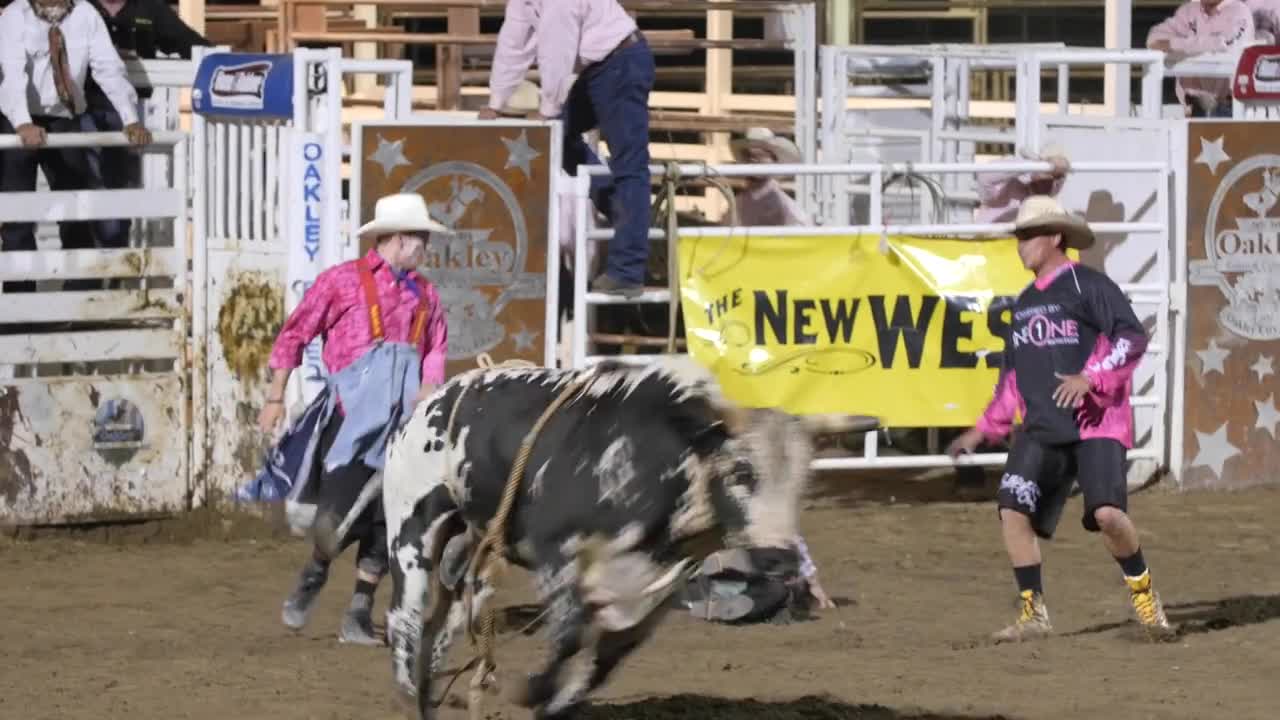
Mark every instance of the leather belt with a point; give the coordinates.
(635, 38)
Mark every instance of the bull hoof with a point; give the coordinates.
(531, 693)
(357, 629)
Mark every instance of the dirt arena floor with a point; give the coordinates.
(163, 622)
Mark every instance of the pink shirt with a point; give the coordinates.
(1193, 30)
(556, 33)
(1000, 195)
(334, 308)
(767, 205)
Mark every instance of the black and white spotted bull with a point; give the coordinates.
(640, 475)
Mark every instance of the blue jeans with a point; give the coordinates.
(112, 168)
(613, 95)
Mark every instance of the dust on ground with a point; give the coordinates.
(159, 624)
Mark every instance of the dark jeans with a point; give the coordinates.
(613, 95)
(66, 169)
(113, 168)
(336, 492)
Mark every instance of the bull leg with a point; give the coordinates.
(595, 663)
(567, 622)
(415, 552)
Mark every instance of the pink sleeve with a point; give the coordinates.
(1110, 366)
(1174, 27)
(559, 36)
(304, 324)
(996, 189)
(996, 422)
(435, 345)
(513, 54)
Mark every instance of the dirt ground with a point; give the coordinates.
(149, 624)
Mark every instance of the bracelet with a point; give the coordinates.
(275, 402)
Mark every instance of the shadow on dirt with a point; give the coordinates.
(810, 707)
(1195, 618)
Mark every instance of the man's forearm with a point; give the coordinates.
(279, 381)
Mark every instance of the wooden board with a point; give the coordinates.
(490, 184)
(1233, 333)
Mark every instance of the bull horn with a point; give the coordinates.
(840, 423)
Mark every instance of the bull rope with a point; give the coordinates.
(487, 559)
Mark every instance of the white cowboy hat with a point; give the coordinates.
(402, 213)
(1042, 215)
(783, 150)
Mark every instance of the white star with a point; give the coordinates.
(1268, 416)
(1214, 450)
(523, 338)
(1262, 367)
(390, 155)
(519, 154)
(1211, 358)
(1212, 154)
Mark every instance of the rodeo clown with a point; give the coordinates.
(1068, 366)
(384, 346)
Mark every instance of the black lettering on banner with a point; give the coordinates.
(999, 318)
(776, 316)
(913, 331)
(954, 329)
(839, 320)
(800, 323)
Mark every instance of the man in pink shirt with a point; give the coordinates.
(763, 202)
(365, 309)
(1000, 194)
(1067, 372)
(596, 71)
(1198, 27)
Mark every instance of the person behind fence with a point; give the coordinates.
(138, 29)
(1067, 372)
(1266, 20)
(385, 345)
(763, 202)
(1198, 27)
(1000, 194)
(596, 71)
(728, 589)
(47, 49)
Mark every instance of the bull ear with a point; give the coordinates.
(839, 423)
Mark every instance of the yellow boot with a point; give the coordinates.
(1147, 606)
(1033, 622)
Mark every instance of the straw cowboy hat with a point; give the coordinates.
(526, 99)
(1042, 215)
(783, 150)
(402, 213)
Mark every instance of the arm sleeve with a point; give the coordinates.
(304, 324)
(513, 54)
(1122, 339)
(13, 69)
(172, 34)
(109, 72)
(1006, 404)
(435, 350)
(995, 189)
(559, 35)
(1173, 28)
(808, 570)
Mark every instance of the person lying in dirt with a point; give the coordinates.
(726, 589)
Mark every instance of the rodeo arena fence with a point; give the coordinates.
(139, 399)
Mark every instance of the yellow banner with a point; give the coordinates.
(906, 329)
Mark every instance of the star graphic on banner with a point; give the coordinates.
(1212, 154)
(1214, 450)
(390, 155)
(1268, 416)
(523, 338)
(519, 154)
(1262, 367)
(1211, 358)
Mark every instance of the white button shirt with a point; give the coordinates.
(26, 70)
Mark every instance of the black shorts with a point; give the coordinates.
(1037, 480)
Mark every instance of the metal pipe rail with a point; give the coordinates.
(165, 138)
(747, 170)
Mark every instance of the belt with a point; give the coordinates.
(635, 38)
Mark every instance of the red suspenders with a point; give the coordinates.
(419, 325)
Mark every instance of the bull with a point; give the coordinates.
(638, 476)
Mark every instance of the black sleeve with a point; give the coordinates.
(1110, 311)
(172, 34)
